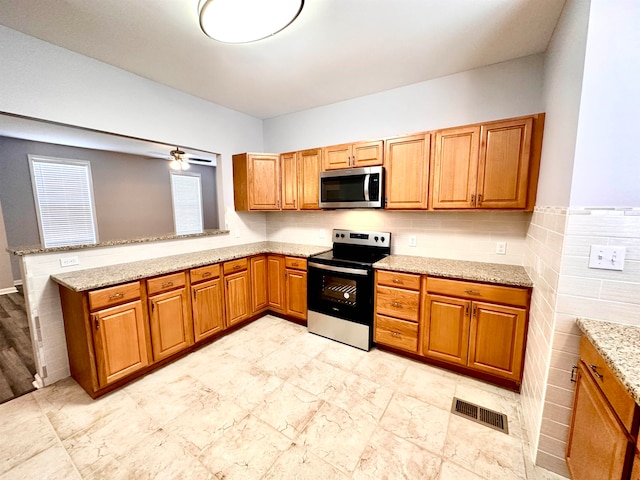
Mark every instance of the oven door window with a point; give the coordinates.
(340, 295)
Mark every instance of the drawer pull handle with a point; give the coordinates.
(397, 280)
(295, 264)
(237, 267)
(574, 370)
(594, 369)
(206, 274)
(472, 292)
(396, 304)
(167, 284)
(395, 334)
(116, 295)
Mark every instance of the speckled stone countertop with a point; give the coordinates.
(459, 269)
(89, 279)
(109, 243)
(619, 346)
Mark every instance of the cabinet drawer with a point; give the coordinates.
(400, 280)
(165, 283)
(205, 273)
(397, 302)
(396, 333)
(295, 263)
(235, 266)
(107, 297)
(617, 395)
(478, 291)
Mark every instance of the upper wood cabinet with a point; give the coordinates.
(300, 179)
(406, 161)
(309, 166)
(256, 181)
(352, 155)
(490, 165)
(289, 180)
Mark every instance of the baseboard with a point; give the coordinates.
(4, 291)
(17, 283)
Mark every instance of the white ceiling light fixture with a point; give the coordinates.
(244, 21)
(178, 162)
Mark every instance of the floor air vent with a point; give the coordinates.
(483, 416)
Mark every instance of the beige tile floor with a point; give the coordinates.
(269, 401)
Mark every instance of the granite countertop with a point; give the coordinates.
(619, 345)
(29, 250)
(89, 279)
(459, 269)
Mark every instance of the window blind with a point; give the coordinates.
(64, 201)
(186, 191)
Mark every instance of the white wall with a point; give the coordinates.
(503, 90)
(607, 164)
(563, 67)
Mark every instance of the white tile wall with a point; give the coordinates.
(566, 288)
(43, 300)
(458, 235)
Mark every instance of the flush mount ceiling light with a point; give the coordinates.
(244, 21)
(178, 162)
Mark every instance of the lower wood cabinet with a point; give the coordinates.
(120, 341)
(207, 302)
(478, 329)
(295, 275)
(275, 283)
(259, 279)
(604, 422)
(237, 291)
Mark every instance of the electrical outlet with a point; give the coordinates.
(321, 234)
(501, 248)
(69, 261)
(413, 241)
(607, 257)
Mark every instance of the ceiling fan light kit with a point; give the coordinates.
(178, 162)
(245, 21)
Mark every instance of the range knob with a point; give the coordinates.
(382, 239)
(342, 235)
(375, 238)
(337, 235)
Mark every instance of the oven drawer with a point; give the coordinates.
(398, 280)
(396, 333)
(397, 302)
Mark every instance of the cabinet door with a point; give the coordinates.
(496, 339)
(455, 168)
(289, 171)
(406, 163)
(276, 289)
(337, 156)
(259, 296)
(296, 293)
(367, 154)
(309, 166)
(503, 172)
(264, 182)
(237, 297)
(445, 332)
(171, 329)
(120, 341)
(597, 446)
(208, 313)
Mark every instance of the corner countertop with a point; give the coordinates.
(514, 275)
(619, 346)
(89, 279)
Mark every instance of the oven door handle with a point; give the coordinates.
(333, 268)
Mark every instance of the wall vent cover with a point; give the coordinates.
(481, 415)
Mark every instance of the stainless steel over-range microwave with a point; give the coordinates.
(352, 188)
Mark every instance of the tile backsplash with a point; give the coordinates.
(457, 235)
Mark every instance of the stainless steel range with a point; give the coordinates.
(340, 287)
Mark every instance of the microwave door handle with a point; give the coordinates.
(366, 187)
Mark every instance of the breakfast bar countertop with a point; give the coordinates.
(514, 275)
(619, 345)
(92, 278)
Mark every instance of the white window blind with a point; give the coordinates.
(64, 201)
(186, 191)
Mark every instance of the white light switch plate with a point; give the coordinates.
(69, 261)
(607, 257)
(501, 248)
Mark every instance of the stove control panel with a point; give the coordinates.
(372, 239)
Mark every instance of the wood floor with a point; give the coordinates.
(16, 353)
